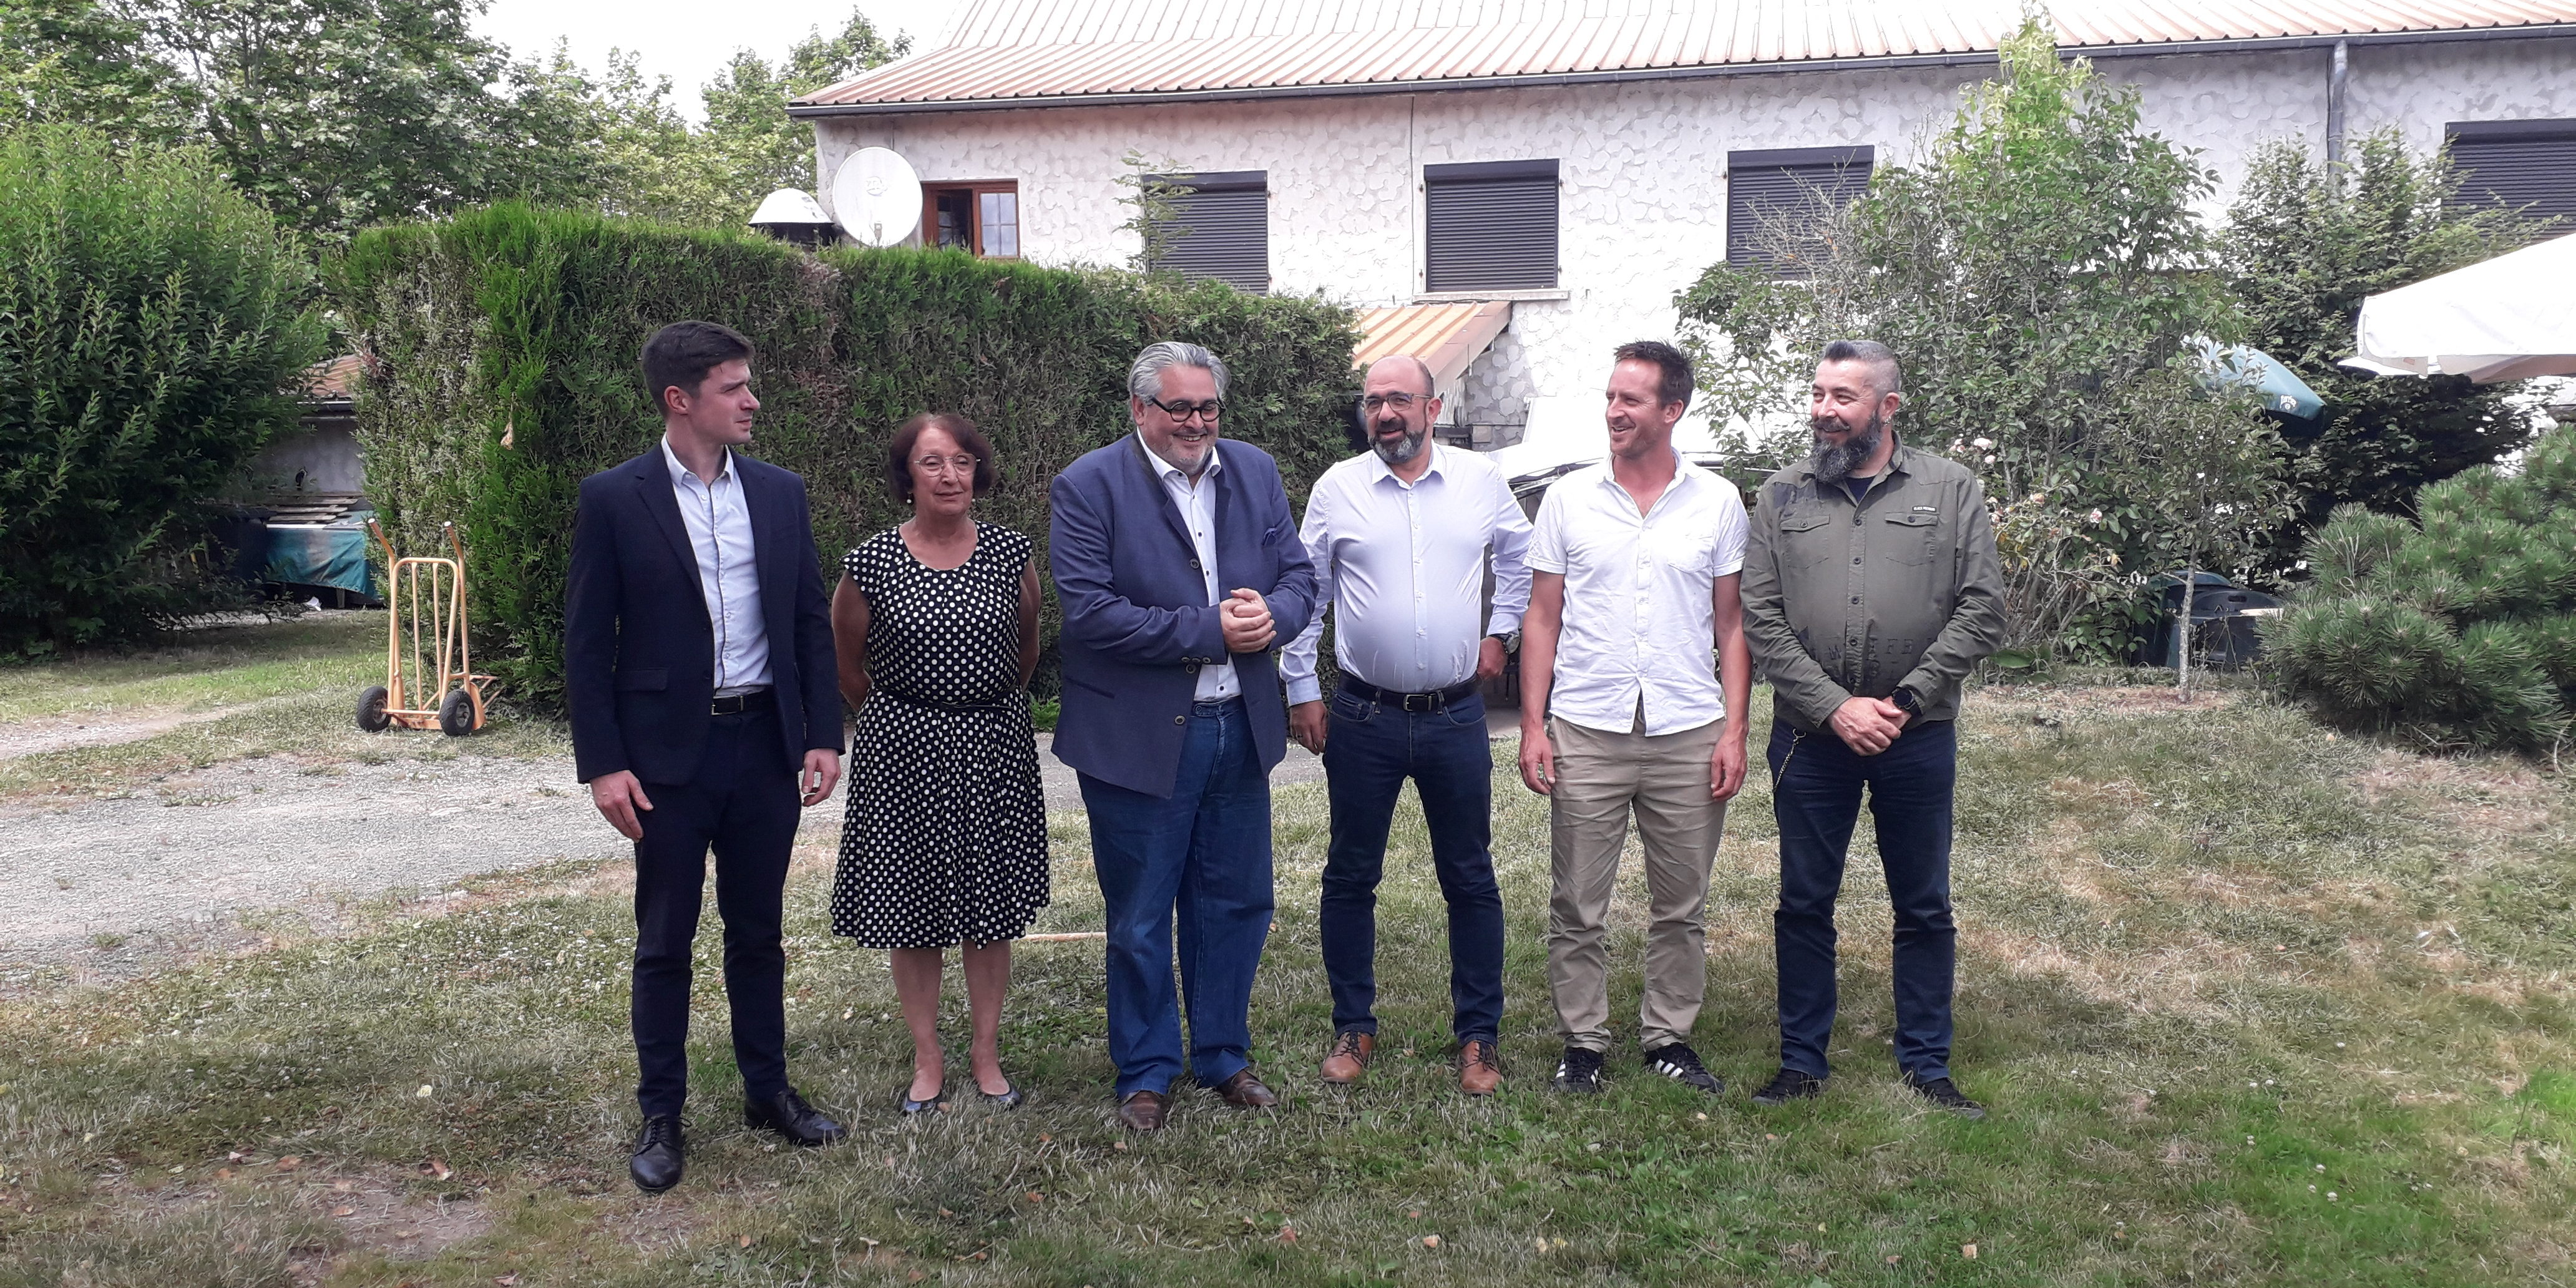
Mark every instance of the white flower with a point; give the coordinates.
(1990, 458)
(1981, 444)
(2095, 517)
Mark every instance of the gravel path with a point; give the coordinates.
(172, 865)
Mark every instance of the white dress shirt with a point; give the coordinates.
(719, 525)
(1402, 566)
(1196, 500)
(1640, 616)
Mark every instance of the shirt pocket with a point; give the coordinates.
(1911, 537)
(1807, 540)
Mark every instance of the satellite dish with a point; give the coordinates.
(876, 197)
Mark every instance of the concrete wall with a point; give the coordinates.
(1642, 165)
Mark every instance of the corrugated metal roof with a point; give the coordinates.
(1010, 50)
(1447, 337)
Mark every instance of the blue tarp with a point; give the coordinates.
(328, 555)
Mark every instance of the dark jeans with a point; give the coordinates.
(1371, 749)
(1816, 790)
(1203, 851)
(743, 804)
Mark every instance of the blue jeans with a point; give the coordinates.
(1203, 851)
(1816, 784)
(1371, 749)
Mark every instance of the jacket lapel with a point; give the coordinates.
(653, 484)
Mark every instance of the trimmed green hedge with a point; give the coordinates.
(526, 323)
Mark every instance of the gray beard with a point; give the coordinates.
(1401, 450)
(1834, 464)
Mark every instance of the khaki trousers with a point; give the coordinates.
(1601, 778)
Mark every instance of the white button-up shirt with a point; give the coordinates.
(1640, 613)
(1402, 566)
(1196, 500)
(719, 525)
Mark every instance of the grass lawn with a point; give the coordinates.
(2250, 1005)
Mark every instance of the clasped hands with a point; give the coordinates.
(1868, 725)
(1244, 617)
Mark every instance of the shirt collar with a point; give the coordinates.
(1165, 470)
(1682, 469)
(680, 473)
(1380, 471)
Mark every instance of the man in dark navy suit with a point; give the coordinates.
(705, 709)
(1180, 570)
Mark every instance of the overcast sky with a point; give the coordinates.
(689, 42)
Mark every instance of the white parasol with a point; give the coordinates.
(2510, 318)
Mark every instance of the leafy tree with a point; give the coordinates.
(758, 147)
(2038, 272)
(151, 319)
(339, 113)
(77, 60)
(2304, 243)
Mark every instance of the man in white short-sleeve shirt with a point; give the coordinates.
(1632, 659)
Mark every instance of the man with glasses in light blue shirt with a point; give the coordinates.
(1399, 538)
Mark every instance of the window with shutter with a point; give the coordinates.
(1221, 223)
(1489, 226)
(1781, 191)
(2519, 165)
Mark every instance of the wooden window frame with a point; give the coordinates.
(931, 190)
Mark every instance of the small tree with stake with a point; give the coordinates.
(2040, 272)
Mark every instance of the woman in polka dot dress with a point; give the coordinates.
(936, 622)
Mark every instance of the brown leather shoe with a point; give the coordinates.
(1480, 1067)
(1143, 1110)
(1243, 1091)
(1350, 1057)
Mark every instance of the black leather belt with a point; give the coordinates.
(1437, 700)
(734, 704)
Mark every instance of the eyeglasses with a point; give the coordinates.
(937, 465)
(1184, 410)
(1401, 402)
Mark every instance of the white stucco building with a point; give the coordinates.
(1571, 164)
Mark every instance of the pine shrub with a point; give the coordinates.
(153, 324)
(524, 324)
(2459, 627)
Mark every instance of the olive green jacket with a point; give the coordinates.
(1901, 590)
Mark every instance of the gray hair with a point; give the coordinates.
(1880, 360)
(1145, 379)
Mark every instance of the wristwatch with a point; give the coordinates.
(1905, 701)
(1511, 642)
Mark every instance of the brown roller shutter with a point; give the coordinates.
(1490, 226)
(1227, 216)
(2517, 165)
(1786, 184)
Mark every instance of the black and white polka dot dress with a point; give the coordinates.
(945, 840)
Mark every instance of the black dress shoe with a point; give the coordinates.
(657, 1163)
(787, 1114)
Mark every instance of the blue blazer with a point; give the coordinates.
(1137, 624)
(639, 648)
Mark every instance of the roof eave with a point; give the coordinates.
(1968, 58)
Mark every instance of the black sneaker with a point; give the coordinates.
(1681, 1064)
(1579, 1071)
(1788, 1085)
(1944, 1094)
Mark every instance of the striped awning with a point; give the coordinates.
(1447, 337)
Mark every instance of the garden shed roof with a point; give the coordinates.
(1035, 53)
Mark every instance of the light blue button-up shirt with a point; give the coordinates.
(719, 524)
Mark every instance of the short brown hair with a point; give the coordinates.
(908, 436)
(683, 353)
(1673, 384)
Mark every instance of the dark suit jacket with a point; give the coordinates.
(1137, 624)
(639, 648)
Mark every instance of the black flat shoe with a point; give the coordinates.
(787, 1114)
(659, 1156)
(937, 1104)
(1011, 1099)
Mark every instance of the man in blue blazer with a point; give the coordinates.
(706, 707)
(1179, 569)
